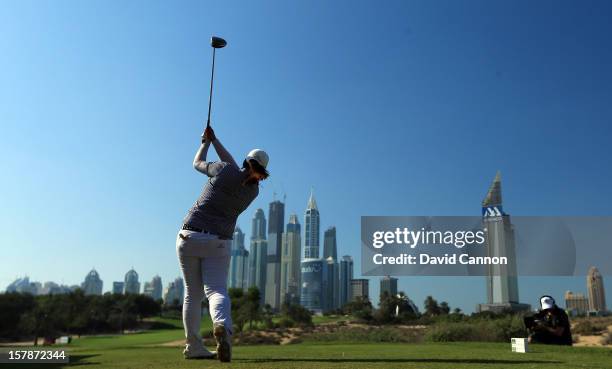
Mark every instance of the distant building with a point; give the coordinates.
(154, 288)
(118, 288)
(312, 293)
(346, 275)
(360, 288)
(311, 231)
(92, 285)
(52, 288)
(502, 283)
(276, 224)
(36, 288)
(290, 262)
(257, 266)
(258, 254)
(576, 303)
(330, 247)
(597, 294)
(174, 293)
(132, 285)
(22, 285)
(239, 263)
(388, 284)
(410, 305)
(331, 284)
(258, 225)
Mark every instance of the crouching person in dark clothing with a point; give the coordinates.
(550, 325)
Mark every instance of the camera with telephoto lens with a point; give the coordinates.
(534, 323)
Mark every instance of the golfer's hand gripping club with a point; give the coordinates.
(208, 135)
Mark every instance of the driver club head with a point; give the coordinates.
(217, 42)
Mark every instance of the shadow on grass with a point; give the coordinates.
(450, 361)
(161, 326)
(76, 360)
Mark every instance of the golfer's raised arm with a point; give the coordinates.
(224, 155)
(201, 165)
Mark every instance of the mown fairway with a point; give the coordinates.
(144, 350)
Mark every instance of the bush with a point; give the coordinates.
(587, 328)
(606, 339)
(366, 334)
(489, 330)
(286, 322)
(295, 314)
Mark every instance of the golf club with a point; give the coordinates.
(216, 43)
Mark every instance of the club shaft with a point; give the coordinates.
(212, 78)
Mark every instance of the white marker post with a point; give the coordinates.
(519, 345)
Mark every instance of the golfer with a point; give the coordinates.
(204, 241)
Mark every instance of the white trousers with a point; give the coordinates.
(204, 261)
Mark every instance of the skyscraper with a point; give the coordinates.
(258, 253)
(576, 303)
(360, 288)
(52, 288)
(238, 273)
(346, 274)
(174, 293)
(118, 287)
(311, 231)
(595, 287)
(388, 284)
(290, 262)
(330, 247)
(131, 284)
(276, 223)
(312, 295)
(22, 285)
(92, 285)
(502, 285)
(258, 225)
(154, 288)
(331, 284)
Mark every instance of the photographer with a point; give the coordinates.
(550, 325)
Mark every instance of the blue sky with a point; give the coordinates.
(393, 108)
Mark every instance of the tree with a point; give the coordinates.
(387, 307)
(296, 313)
(360, 308)
(75, 309)
(145, 306)
(44, 320)
(444, 308)
(240, 308)
(123, 313)
(253, 309)
(13, 306)
(266, 314)
(431, 306)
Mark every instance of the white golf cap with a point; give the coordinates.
(259, 156)
(547, 302)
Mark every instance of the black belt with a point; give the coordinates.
(187, 227)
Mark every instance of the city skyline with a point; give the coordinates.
(259, 222)
(433, 120)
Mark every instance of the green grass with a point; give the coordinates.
(318, 319)
(137, 351)
(152, 337)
